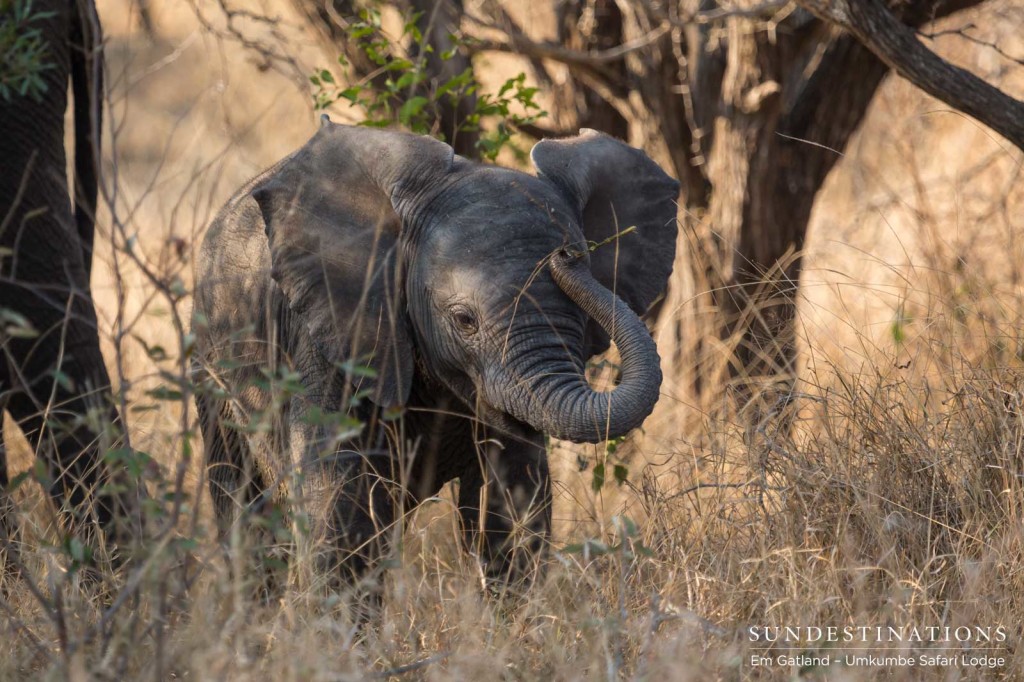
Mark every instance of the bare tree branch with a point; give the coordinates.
(520, 44)
(897, 45)
(766, 11)
(234, 20)
(962, 33)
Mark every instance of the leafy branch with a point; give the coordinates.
(399, 90)
(23, 50)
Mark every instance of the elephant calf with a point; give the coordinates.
(389, 277)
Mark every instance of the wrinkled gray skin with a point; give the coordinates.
(470, 293)
(47, 243)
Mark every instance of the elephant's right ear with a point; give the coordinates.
(333, 213)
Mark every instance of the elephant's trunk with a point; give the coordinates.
(561, 402)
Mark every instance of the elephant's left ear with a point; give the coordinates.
(617, 189)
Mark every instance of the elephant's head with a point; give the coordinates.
(384, 242)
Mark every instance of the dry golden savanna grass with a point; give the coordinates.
(888, 492)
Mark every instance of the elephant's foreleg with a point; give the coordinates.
(344, 503)
(359, 496)
(236, 487)
(505, 506)
(241, 497)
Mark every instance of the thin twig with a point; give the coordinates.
(520, 44)
(409, 667)
(962, 32)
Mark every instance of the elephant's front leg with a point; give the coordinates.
(352, 498)
(505, 505)
(346, 503)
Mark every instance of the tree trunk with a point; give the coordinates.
(589, 26)
(754, 111)
(784, 122)
(769, 160)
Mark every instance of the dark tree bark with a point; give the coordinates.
(774, 146)
(591, 26)
(770, 157)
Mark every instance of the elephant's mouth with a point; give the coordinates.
(496, 418)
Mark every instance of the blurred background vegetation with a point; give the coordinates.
(840, 438)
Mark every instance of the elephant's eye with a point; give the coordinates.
(464, 319)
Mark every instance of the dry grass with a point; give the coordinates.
(896, 498)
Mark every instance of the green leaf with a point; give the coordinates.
(316, 416)
(16, 482)
(627, 526)
(411, 25)
(588, 547)
(63, 380)
(899, 325)
(177, 287)
(409, 79)
(156, 353)
(359, 396)
(375, 123)
(399, 65)
(164, 393)
(352, 368)
(597, 482)
(16, 325)
(134, 461)
(411, 108)
(41, 472)
(455, 83)
(77, 550)
(621, 473)
(390, 414)
(351, 93)
(360, 31)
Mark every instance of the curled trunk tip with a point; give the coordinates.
(570, 409)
